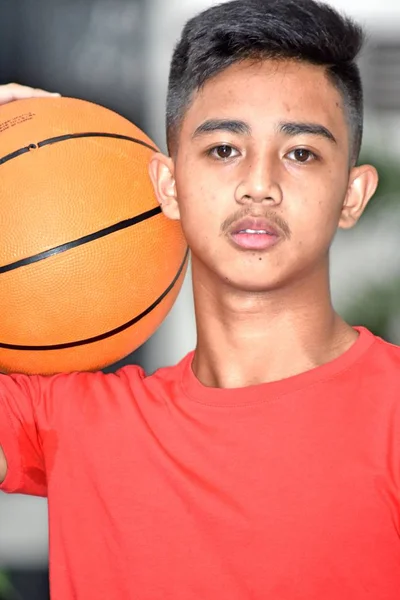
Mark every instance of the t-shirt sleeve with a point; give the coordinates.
(28, 417)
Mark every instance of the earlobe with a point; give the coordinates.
(161, 171)
(362, 186)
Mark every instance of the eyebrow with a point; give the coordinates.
(292, 129)
(230, 125)
(242, 128)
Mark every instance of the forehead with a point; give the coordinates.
(266, 92)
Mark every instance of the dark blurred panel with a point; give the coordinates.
(8, 46)
(29, 584)
(91, 49)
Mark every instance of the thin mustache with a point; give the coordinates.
(267, 214)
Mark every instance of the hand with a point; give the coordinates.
(14, 91)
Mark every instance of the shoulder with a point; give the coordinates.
(378, 369)
(85, 388)
(385, 354)
(163, 379)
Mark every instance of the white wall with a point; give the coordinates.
(376, 14)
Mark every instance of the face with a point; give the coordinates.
(261, 177)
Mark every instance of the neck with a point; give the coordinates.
(247, 338)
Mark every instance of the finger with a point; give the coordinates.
(11, 92)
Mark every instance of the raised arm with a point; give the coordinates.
(27, 412)
(37, 415)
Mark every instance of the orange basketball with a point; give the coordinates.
(89, 266)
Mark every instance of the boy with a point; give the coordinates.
(267, 463)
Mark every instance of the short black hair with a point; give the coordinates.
(303, 30)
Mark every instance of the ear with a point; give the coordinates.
(161, 171)
(363, 182)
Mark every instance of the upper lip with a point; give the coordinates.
(256, 223)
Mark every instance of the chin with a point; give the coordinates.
(240, 275)
(252, 282)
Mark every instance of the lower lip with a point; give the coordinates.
(254, 241)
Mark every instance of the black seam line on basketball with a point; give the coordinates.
(80, 241)
(71, 136)
(110, 333)
(14, 154)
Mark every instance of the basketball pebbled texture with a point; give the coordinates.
(89, 266)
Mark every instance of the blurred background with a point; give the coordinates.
(116, 53)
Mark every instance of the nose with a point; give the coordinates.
(259, 183)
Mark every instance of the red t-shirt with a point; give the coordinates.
(162, 489)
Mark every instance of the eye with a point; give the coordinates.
(302, 155)
(223, 152)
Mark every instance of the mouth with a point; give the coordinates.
(254, 234)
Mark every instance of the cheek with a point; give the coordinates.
(198, 216)
(314, 221)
